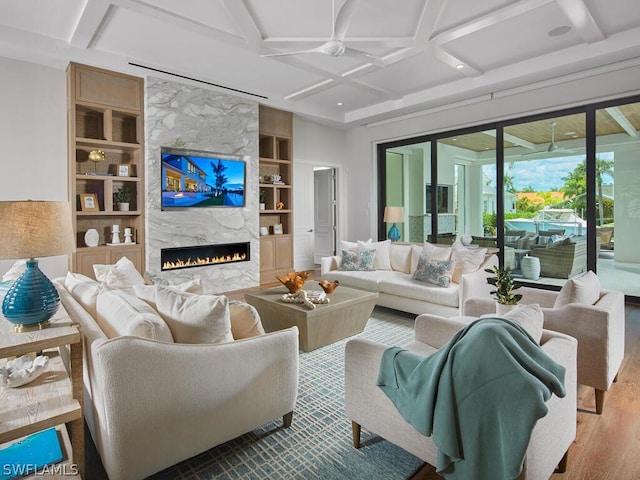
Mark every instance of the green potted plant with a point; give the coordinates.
(504, 294)
(122, 197)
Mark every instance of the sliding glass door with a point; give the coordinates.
(617, 178)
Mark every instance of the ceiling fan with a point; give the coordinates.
(335, 46)
(553, 146)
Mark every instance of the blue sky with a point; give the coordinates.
(542, 175)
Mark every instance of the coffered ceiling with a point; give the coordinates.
(401, 55)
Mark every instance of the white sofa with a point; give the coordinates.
(393, 279)
(150, 404)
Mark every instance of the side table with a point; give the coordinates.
(52, 399)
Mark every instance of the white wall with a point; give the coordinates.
(550, 96)
(321, 145)
(33, 135)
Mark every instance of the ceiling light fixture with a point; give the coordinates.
(559, 31)
(460, 66)
(340, 104)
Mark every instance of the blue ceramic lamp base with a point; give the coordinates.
(31, 301)
(394, 233)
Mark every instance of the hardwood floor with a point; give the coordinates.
(607, 446)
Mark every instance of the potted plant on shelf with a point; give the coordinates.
(504, 294)
(122, 197)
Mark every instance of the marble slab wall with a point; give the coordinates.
(185, 116)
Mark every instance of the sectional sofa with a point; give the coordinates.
(394, 271)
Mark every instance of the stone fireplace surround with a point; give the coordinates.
(185, 116)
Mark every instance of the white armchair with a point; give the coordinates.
(599, 329)
(151, 404)
(367, 406)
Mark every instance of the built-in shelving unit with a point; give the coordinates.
(276, 158)
(105, 113)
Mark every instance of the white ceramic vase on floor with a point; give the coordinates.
(530, 267)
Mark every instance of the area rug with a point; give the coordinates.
(318, 444)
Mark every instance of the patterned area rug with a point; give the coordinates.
(318, 443)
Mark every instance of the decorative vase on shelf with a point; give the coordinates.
(466, 240)
(123, 207)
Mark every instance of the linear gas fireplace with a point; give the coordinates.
(201, 255)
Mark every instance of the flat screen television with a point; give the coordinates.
(197, 179)
(442, 198)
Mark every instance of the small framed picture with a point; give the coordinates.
(277, 229)
(123, 170)
(89, 202)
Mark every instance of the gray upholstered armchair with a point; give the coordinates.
(598, 325)
(368, 407)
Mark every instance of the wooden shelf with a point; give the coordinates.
(275, 142)
(105, 113)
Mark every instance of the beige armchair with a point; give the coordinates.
(599, 329)
(367, 406)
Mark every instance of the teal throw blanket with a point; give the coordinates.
(479, 396)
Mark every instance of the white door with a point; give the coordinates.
(303, 239)
(324, 213)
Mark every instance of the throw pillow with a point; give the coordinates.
(123, 274)
(191, 318)
(354, 245)
(466, 260)
(84, 290)
(400, 257)
(530, 318)
(119, 314)
(355, 261)
(382, 255)
(436, 272)
(583, 289)
(438, 252)
(245, 321)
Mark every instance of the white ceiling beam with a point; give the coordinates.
(513, 139)
(622, 120)
(489, 20)
(310, 90)
(89, 24)
(360, 42)
(245, 23)
(581, 19)
(171, 18)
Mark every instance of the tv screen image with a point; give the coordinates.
(192, 178)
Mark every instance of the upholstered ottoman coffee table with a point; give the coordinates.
(345, 315)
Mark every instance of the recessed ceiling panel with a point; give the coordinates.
(189, 53)
(381, 18)
(292, 18)
(614, 16)
(207, 12)
(457, 12)
(351, 96)
(527, 36)
(411, 75)
(51, 18)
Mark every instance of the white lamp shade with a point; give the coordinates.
(394, 214)
(31, 229)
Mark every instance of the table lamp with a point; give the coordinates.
(394, 215)
(30, 229)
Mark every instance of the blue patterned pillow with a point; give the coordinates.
(437, 272)
(357, 260)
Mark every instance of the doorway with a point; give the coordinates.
(315, 214)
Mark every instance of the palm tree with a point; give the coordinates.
(603, 167)
(220, 178)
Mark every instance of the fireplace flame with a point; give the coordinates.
(189, 262)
